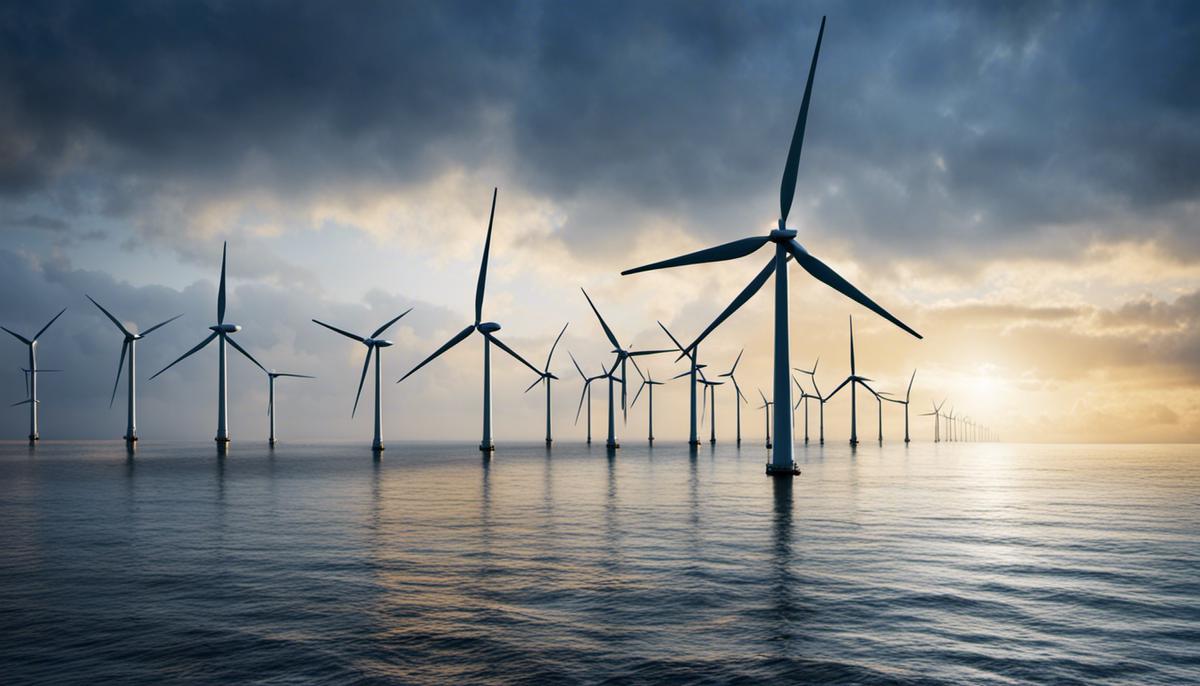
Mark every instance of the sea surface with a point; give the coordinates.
(926, 564)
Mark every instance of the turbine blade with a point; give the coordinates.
(638, 394)
(704, 403)
(18, 336)
(852, 372)
(200, 345)
(607, 331)
(120, 365)
(581, 397)
(383, 328)
(738, 388)
(487, 246)
(22, 402)
(159, 325)
(295, 376)
(834, 391)
(747, 293)
(763, 396)
(639, 353)
(678, 345)
(47, 326)
(910, 383)
(577, 367)
(719, 253)
(787, 187)
(512, 352)
(536, 382)
(458, 338)
(242, 350)
(361, 380)
(221, 289)
(347, 334)
(735, 362)
(556, 340)
(832, 279)
(108, 314)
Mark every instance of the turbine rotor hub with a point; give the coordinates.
(225, 328)
(488, 327)
(782, 235)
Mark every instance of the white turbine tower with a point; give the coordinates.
(128, 346)
(32, 372)
(782, 462)
(271, 376)
(487, 330)
(546, 378)
(220, 333)
(738, 398)
(374, 344)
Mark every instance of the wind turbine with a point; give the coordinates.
(647, 381)
(766, 408)
(271, 376)
(950, 426)
(693, 369)
(587, 392)
(485, 329)
(623, 355)
(220, 333)
(547, 377)
(738, 398)
(711, 388)
(130, 346)
(804, 398)
(937, 419)
(879, 398)
(854, 380)
(905, 402)
(31, 344)
(812, 374)
(373, 344)
(782, 461)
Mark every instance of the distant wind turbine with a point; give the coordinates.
(487, 330)
(623, 355)
(853, 380)
(546, 377)
(271, 376)
(738, 397)
(937, 417)
(812, 375)
(587, 392)
(805, 396)
(782, 462)
(220, 332)
(905, 402)
(373, 344)
(766, 408)
(711, 388)
(129, 346)
(694, 368)
(32, 400)
(649, 383)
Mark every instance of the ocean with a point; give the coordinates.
(314, 563)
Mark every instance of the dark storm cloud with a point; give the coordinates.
(934, 121)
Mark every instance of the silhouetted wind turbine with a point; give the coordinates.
(766, 408)
(31, 344)
(854, 380)
(373, 344)
(782, 461)
(694, 368)
(487, 330)
(647, 381)
(622, 356)
(271, 376)
(812, 374)
(587, 391)
(711, 388)
(547, 377)
(905, 402)
(804, 397)
(129, 345)
(738, 398)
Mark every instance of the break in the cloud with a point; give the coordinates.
(1020, 180)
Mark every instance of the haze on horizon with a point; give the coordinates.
(1020, 182)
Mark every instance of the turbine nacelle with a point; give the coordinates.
(225, 328)
(377, 342)
(487, 327)
(782, 235)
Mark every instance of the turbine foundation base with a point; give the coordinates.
(487, 448)
(221, 439)
(788, 472)
(130, 439)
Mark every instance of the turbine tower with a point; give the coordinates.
(129, 346)
(485, 329)
(694, 368)
(738, 398)
(782, 462)
(766, 408)
(587, 392)
(905, 403)
(220, 332)
(854, 380)
(271, 376)
(812, 374)
(710, 388)
(623, 355)
(374, 345)
(647, 382)
(547, 377)
(32, 372)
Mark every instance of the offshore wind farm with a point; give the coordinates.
(961, 452)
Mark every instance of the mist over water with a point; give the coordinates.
(942, 563)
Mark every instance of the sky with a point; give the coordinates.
(1020, 182)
